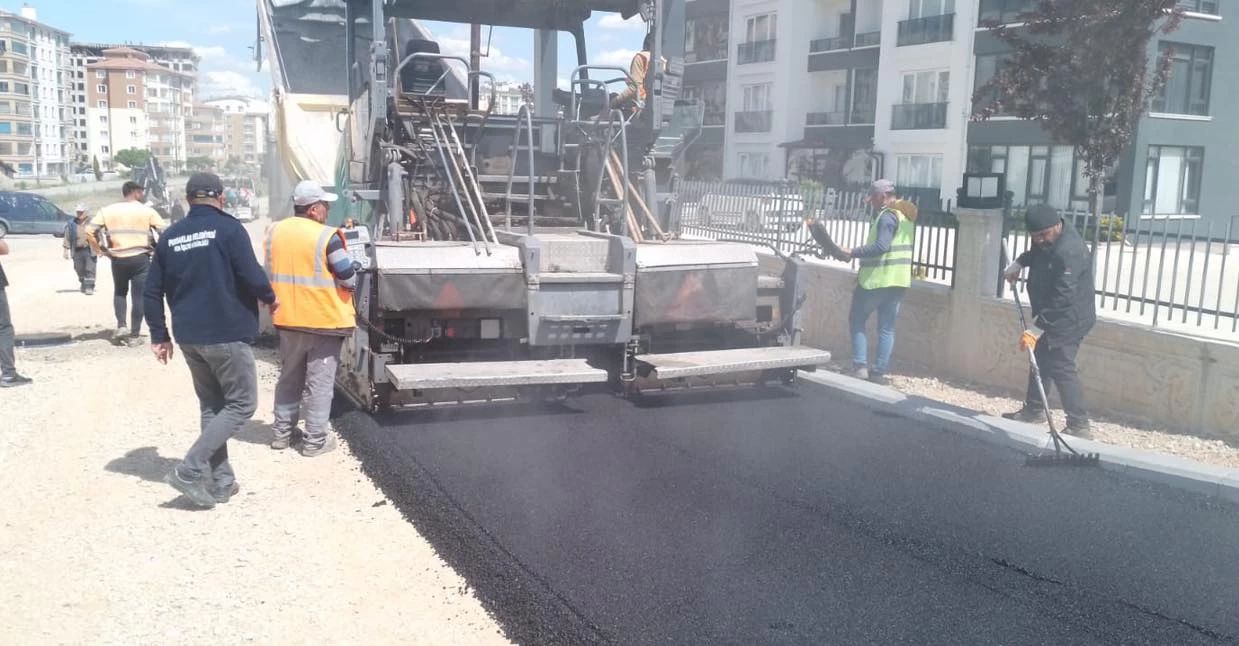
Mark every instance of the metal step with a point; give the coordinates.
(716, 362)
(479, 374)
(593, 277)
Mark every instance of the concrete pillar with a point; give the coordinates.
(977, 254)
(545, 71)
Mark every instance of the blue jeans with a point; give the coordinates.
(864, 301)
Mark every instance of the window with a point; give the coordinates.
(6, 127)
(133, 134)
(20, 47)
(133, 104)
(760, 28)
(705, 39)
(1003, 12)
(929, 8)
(987, 68)
(104, 149)
(103, 118)
(1199, 6)
(713, 96)
(102, 104)
(101, 89)
(926, 87)
(21, 88)
(1052, 175)
(130, 74)
(756, 98)
(101, 74)
(133, 121)
(6, 148)
(1172, 180)
(4, 86)
(1187, 87)
(755, 165)
(24, 129)
(6, 107)
(131, 89)
(918, 171)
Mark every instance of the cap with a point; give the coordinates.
(1040, 217)
(80, 208)
(882, 186)
(202, 185)
(309, 192)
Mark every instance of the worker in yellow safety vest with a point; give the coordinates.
(885, 275)
(314, 278)
(637, 70)
(130, 227)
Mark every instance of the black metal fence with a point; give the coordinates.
(773, 215)
(1157, 271)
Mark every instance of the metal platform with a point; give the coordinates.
(715, 362)
(476, 374)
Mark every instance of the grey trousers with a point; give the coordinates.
(85, 263)
(226, 382)
(8, 365)
(307, 366)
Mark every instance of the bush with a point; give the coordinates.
(1111, 227)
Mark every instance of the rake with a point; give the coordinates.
(1059, 457)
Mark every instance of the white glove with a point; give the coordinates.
(1012, 272)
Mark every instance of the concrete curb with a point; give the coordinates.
(1154, 467)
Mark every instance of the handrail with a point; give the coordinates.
(485, 225)
(455, 193)
(573, 81)
(395, 77)
(516, 141)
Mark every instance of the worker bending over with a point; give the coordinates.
(1064, 308)
(206, 268)
(130, 226)
(314, 279)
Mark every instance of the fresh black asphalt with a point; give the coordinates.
(789, 517)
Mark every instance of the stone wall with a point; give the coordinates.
(1130, 371)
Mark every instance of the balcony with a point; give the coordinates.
(918, 116)
(868, 39)
(760, 51)
(754, 121)
(838, 43)
(826, 119)
(921, 31)
(706, 53)
(1003, 12)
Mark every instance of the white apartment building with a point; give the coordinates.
(508, 98)
(38, 138)
(247, 119)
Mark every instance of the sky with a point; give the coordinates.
(223, 34)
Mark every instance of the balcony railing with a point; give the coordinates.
(826, 119)
(931, 29)
(837, 43)
(918, 116)
(760, 51)
(1199, 6)
(868, 39)
(706, 53)
(754, 121)
(717, 118)
(1003, 12)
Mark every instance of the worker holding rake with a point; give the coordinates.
(1060, 290)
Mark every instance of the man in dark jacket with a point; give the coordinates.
(8, 365)
(1064, 308)
(206, 267)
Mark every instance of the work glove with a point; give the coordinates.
(1028, 339)
(1012, 272)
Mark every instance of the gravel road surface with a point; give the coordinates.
(794, 519)
(96, 549)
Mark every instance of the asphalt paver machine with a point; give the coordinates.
(526, 256)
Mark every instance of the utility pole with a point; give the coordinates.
(475, 62)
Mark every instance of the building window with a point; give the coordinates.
(924, 101)
(760, 33)
(102, 105)
(1003, 12)
(129, 74)
(20, 47)
(918, 171)
(4, 86)
(1187, 87)
(1038, 174)
(103, 118)
(987, 68)
(101, 89)
(133, 134)
(929, 21)
(133, 120)
(104, 149)
(131, 89)
(1172, 180)
(24, 129)
(1199, 6)
(101, 74)
(754, 165)
(756, 98)
(133, 104)
(712, 95)
(705, 39)
(6, 127)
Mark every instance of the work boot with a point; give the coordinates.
(15, 381)
(328, 446)
(1079, 428)
(857, 372)
(879, 378)
(222, 496)
(134, 341)
(195, 490)
(89, 291)
(1027, 414)
(119, 335)
(281, 443)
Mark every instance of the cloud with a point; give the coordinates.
(219, 29)
(496, 63)
(615, 21)
(619, 57)
(223, 83)
(213, 51)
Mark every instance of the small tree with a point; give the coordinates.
(94, 166)
(199, 162)
(132, 157)
(1081, 69)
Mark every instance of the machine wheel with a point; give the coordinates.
(4, 229)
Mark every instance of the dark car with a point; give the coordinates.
(30, 213)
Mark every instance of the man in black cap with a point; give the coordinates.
(206, 267)
(1064, 308)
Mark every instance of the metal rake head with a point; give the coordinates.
(1064, 459)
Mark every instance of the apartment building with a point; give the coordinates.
(36, 133)
(163, 95)
(508, 98)
(246, 120)
(207, 127)
(842, 91)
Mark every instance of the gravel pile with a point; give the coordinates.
(1211, 451)
(95, 548)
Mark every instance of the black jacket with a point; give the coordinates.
(205, 266)
(1060, 287)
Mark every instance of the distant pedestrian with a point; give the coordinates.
(314, 278)
(130, 226)
(885, 275)
(1064, 309)
(8, 364)
(77, 247)
(206, 268)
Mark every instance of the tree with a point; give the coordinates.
(199, 162)
(132, 157)
(1081, 69)
(94, 166)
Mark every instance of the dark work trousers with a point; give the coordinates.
(1057, 361)
(8, 365)
(129, 280)
(226, 382)
(85, 263)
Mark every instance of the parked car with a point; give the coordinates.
(762, 212)
(30, 213)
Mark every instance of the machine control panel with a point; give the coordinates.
(357, 240)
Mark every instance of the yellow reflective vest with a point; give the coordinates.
(893, 268)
